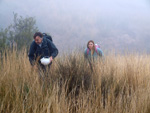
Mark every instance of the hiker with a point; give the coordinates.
(92, 53)
(42, 48)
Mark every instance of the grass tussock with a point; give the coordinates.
(118, 84)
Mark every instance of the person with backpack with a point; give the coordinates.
(42, 51)
(92, 53)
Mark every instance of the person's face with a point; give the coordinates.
(38, 40)
(90, 45)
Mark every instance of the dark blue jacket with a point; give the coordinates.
(47, 49)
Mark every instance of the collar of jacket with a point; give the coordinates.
(44, 42)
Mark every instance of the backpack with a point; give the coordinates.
(47, 36)
(96, 46)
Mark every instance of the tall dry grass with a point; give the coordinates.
(119, 84)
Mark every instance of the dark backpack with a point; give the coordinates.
(47, 36)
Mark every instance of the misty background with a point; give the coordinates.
(113, 24)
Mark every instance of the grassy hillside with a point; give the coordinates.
(119, 84)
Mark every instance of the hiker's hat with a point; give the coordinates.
(45, 61)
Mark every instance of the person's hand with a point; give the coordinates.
(51, 59)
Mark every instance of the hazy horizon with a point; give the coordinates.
(112, 24)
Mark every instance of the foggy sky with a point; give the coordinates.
(101, 20)
(121, 9)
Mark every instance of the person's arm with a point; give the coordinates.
(31, 53)
(52, 49)
(100, 52)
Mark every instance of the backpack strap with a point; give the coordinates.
(88, 51)
(96, 51)
(46, 40)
